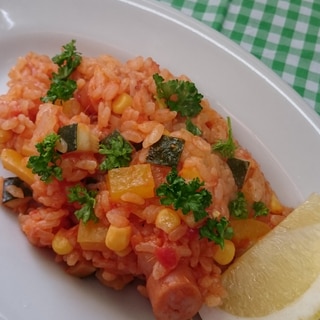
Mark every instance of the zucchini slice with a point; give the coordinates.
(167, 151)
(239, 169)
(77, 137)
(15, 192)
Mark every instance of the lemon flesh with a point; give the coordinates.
(279, 269)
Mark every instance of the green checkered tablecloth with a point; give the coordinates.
(283, 34)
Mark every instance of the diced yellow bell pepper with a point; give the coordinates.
(91, 235)
(275, 205)
(136, 179)
(248, 231)
(14, 162)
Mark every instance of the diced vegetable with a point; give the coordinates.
(239, 169)
(167, 220)
(137, 179)
(61, 244)
(14, 162)
(166, 151)
(247, 232)
(121, 102)
(118, 238)
(16, 192)
(275, 206)
(77, 137)
(91, 235)
(226, 254)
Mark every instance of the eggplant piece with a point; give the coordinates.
(239, 169)
(15, 192)
(166, 152)
(77, 137)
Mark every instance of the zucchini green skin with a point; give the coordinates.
(239, 169)
(10, 200)
(167, 151)
(69, 134)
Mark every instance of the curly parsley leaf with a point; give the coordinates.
(260, 209)
(118, 151)
(216, 230)
(46, 163)
(191, 127)
(187, 196)
(226, 147)
(61, 86)
(86, 198)
(238, 207)
(181, 96)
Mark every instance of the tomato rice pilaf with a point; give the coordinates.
(138, 188)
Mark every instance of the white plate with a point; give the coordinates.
(269, 118)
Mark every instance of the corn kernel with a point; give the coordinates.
(226, 254)
(118, 238)
(167, 220)
(61, 244)
(120, 103)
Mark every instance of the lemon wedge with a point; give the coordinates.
(279, 277)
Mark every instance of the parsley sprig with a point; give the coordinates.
(117, 150)
(191, 127)
(238, 207)
(191, 197)
(86, 198)
(187, 196)
(46, 164)
(62, 87)
(226, 148)
(216, 230)
(181, 96)
(260, 209)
